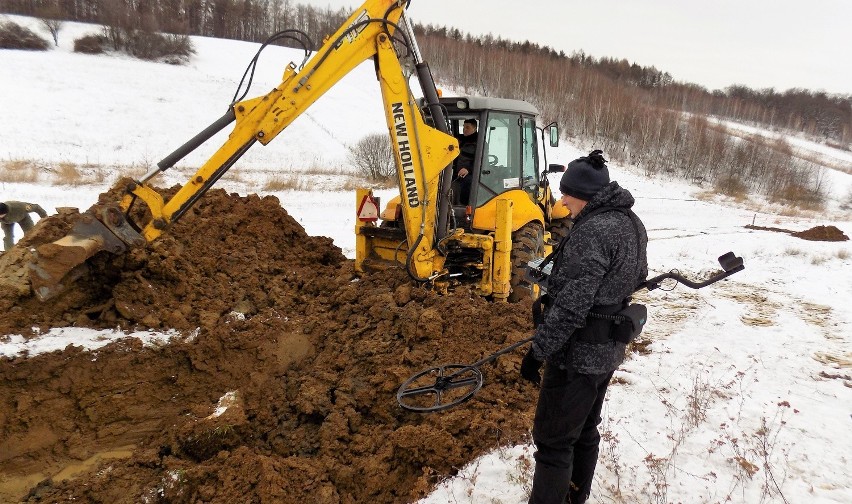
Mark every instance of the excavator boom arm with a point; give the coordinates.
(421, 151)
(261, 119)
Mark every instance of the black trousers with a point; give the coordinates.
(565, 432)
(461, 190)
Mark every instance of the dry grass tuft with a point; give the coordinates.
(72, 174)
(234, 177)
(286, 183)
(386, 183)
(799, 197)
(68, 174)
(351, 184)
(300, 182)
(642, 346)
(818, 260)
(18, 171)
(61, 174)
(732, 187)
(323, 170)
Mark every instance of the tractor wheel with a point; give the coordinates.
(527, 244)
(559, 229)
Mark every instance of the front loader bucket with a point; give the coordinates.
(99, 229)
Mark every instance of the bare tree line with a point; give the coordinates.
(636, 122)
(251, 20)
(637, 114)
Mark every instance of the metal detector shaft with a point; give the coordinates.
(491, 357)
(730, 264)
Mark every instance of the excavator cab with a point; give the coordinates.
(506, 157)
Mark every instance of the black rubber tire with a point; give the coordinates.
(527, 244)
(559, 229)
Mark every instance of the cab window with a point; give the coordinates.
(530, 156)
(502, 156)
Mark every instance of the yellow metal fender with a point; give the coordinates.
(390, 211)
(524, 211)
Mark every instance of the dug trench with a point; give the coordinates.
(278, 386)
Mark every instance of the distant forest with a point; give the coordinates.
(637, 114)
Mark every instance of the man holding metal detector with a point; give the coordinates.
(583, 325)
(584, 322)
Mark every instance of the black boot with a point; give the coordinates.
(576, 496)
(550, 484)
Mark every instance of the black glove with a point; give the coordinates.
(530, 366)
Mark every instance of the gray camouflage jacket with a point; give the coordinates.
(601, 263)
(19, 210)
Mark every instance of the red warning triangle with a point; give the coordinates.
(368, 210)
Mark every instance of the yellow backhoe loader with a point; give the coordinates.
(489, 238)
(507, 221)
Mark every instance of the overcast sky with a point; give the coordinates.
(759, 43)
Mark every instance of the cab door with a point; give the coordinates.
(509, 156)
(529, 156)
(501, 157)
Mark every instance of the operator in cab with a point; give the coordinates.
(463, 165)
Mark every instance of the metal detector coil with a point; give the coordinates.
(439, 388)
(449, 388)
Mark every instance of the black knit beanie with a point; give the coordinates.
(585, 176)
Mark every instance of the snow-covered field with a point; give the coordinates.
(745, 394)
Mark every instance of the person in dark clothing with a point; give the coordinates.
(595, 270)
(17, 212)
(463, 166)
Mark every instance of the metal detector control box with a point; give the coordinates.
(538, 273)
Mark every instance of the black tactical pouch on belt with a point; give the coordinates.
(604, 323)
(622, 324)
(632, 323)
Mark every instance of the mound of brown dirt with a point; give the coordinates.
(822, 233)
(281, 387)
(818, 233)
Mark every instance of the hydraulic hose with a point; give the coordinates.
(193, 143)
(409, 255)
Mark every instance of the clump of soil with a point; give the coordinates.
(822, 233)
(280, 388)
(818, 233)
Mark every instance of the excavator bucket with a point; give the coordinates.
(99, 229)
